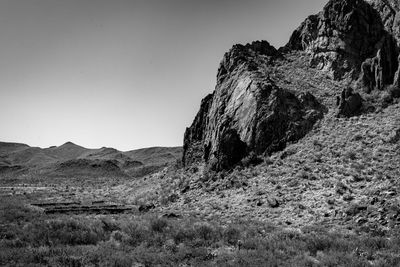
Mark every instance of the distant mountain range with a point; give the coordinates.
(70, 159)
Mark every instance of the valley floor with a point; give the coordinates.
(30, 237)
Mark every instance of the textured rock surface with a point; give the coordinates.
(352, 38)
(248, 111)
(258, 105)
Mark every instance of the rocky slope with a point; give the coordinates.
(343, 173)
(344, 58)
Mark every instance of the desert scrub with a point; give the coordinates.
(14, 210)
(151, 240)
(64, 232)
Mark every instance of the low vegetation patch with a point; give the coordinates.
(29, 237)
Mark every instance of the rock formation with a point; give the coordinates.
(250, 110)
(352, 38)
(247, 112)
(350, 103)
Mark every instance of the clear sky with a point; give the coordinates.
(122, 73)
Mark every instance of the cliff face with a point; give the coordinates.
(248, 111)
(351, 38)
(256, 108)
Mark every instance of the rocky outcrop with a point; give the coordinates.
(352, 39)
(193, 139)
(247, 111)
(255, 106)
(388, 10)
(350, 103)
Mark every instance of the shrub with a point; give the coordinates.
(137, 233)
(183, 233)
(232, 234)
(351, 155)
(63, 232)
(14, 211)
(204, 231)
(158, 224)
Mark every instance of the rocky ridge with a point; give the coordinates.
(266, 98)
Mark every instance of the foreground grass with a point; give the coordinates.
(30, 238)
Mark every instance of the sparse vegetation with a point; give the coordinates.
(147, 240)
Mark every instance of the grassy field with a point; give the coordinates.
(28, 237)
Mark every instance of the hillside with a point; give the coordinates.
(307, 134)
(71, 160)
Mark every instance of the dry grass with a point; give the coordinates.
(32, 238)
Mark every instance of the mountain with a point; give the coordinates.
(70, 159)
(307, 134)
(342, 62)
(66, 151)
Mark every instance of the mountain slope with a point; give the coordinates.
(155, 155)
(341, 170)
(70, 160)
(343, 59)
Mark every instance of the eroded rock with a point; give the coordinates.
(252, 109)
(353, 39)
(247, 112)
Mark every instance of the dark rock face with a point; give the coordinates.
(253, 111)
(247, 112)
(193, 145)
(351, 104)
(231, 149)
(349, 39)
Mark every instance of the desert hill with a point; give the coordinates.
(70, 159)
(304, 134)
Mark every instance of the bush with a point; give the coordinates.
(14, 211)
(232, 235)
(158, 224)
(183, 233)
(204, 231)
(63, 232)
(136, 232)
(351, 155)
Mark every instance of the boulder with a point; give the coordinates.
(350, 104)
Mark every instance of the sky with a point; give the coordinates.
(122, 73)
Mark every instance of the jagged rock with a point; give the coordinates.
(390, 16)
(247, 112)
(252, 109)
(193, 145)
(353, 38)
(350, 103)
